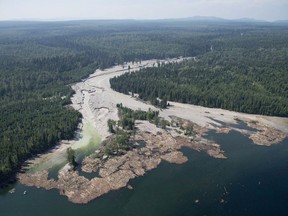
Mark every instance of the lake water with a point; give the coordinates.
(252, 181)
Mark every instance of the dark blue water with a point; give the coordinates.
(252, 181)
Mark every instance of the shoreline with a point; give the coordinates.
(95, 99)
(115, 172)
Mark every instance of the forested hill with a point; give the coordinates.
(39, 60)
(248, 73)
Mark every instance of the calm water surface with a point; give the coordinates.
(252, 181)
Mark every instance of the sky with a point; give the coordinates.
(269, 10)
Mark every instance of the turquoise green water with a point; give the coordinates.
(87, 143)
(253, 181)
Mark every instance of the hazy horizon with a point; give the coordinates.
(52, 10)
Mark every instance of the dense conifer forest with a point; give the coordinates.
(40, 60)
(247, 73)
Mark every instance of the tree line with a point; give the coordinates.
(242, 79)
(39, 62)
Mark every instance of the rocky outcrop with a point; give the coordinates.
(39, 180)
(265, 135)
(223, 130)
(96, 101)
(90, 164)
(116, 172)
(175, 157)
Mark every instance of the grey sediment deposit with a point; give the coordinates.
(97, 102)
(115, 172)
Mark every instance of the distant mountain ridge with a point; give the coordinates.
(205, 19)
(282, 21)
(219, 19)
(213, 19)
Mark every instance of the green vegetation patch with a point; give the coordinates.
(243, 80)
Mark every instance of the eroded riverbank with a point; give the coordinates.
(97, 102)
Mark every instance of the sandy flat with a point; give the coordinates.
(99, 103)
(95, 99)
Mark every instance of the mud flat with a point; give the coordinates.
(188, 124)
(95, 99)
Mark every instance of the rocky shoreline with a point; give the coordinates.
(116, 172)
(265, 135)
(151, 145)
